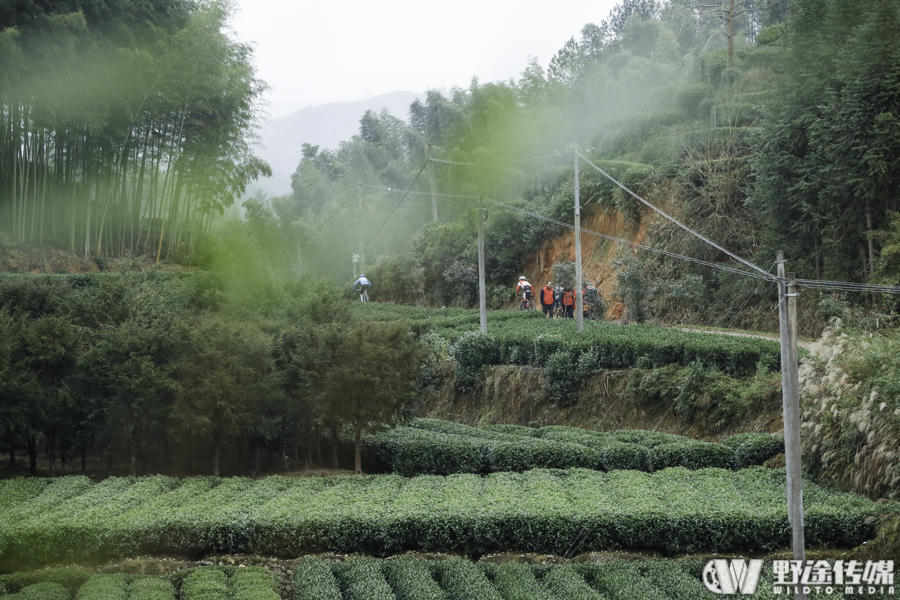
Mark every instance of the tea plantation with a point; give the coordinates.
(434, 447)
(399, 578)
(674, 510)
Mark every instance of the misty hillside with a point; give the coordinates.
(324, 126)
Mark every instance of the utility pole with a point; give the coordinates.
(579, 306)
(787, 321)
(362, 254)
(433, 194)
(482, 300)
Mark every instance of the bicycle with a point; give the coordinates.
(364, 295)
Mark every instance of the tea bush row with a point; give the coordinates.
(569, 357)
(434, 447)
(408, 578)
(548, 511)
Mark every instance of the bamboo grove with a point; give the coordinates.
(124, 127)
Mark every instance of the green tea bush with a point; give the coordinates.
(672, 578)
(621, 580)
(674, 510)
(462, 580)
(70, 578)
(518, 430)
(206, 584)
(564, 582)
(516, 581)
(542, 454)
(151, 588)
(360, 578)
(409, 451)
(411, 579)
(691, 455)
(312, 579)
(531, 342)
(45, 590)
(254, 583)
(561, 380)
(753, 448)
(619, 455)
(104, 587)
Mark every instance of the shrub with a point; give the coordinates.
(254, 583)
(515, 581)
(206, 584)
(691, 455)
(151, 588)
(462, 580)
(312, 579)
(411, 579)
(70, 578)
(360, 578)
(619, 455)
(45, 590)
(409, 451)
(561, 379)
(519, 430)
(564, 582)
(542, 454)
(753, 448)
(104, 587)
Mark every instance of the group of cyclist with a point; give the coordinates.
(555, 301)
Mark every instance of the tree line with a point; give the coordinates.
(136, 367)
(124, 126)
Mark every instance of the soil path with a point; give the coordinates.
(812, 346)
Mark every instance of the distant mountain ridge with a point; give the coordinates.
(326, 126)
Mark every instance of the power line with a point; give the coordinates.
(387, 189)
(847, 286)
(399, 203)
(500, 164)
(332, 215)
(632, 244)
(674, 220)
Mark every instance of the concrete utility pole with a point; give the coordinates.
(433, 194)
(482, 299)
(579, 306)
(362, 254)
(787, 321)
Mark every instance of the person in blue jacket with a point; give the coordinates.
(363, 285)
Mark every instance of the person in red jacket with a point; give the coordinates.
(547, 301)
(569, 304)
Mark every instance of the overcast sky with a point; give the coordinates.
(313, 53)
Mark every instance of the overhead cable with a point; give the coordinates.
(387, 189)
(847, 286)
(631, 244)
(500, 164)
(332, 214)
(425, 164)
(675, 221)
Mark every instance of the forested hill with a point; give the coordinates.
(325, 126)
(777, 133)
